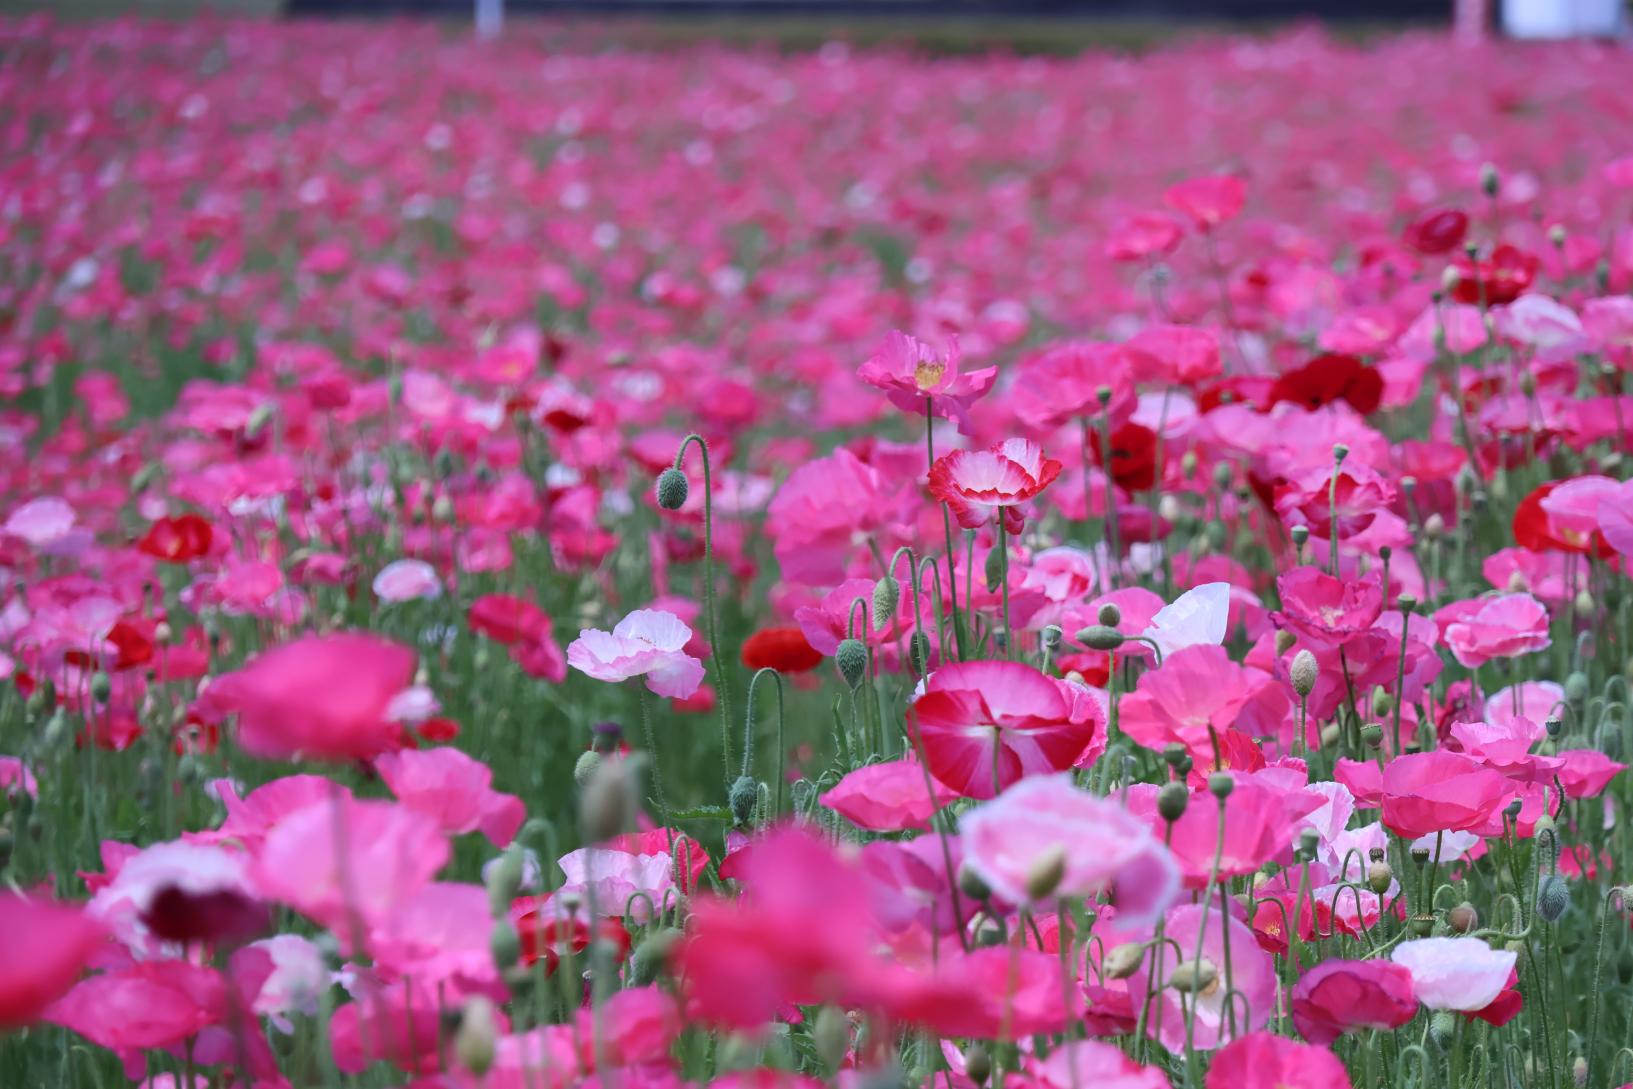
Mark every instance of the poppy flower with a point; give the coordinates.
(888, 797)
(177, 540)
(1455, 973)
(158, 1003)
(1325, 610)
(910, 371)
(454, 789)
(1307, 497)
(1253, 974)
(1330, 378)
(1148, 234)
(1340, 996)
(973, 482)
(1437, 231)
(1210, 200)
(983, 726)
(1264, 1060)
(44, 946)
(1498, 626)
(784, 649)
(1498, 278)
(1132, 456)
(647, 642)
(1440, 791)
(406, 580)
(547, 933)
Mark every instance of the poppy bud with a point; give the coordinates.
(477, 1039)
(505, 880)
(648, 959)
(101, 687)
(673, 488)
(42, 699)
(1285, 641)
(1434, 526)
(852, 658)
(57, 731)
(1110, 615)
(1173, 753)
(1300, 534)
(505, 945)
(1045, 874)
(1553, 897)
(607, 807)
(1488, 179)
(1220, 784)
(1101, 637)
(995, 567)
(971, 884)
(1103, 395)
(1187, 464)
(832, 1036)
(1583, 603)
(588, 762)
(442, 510)
(1463, 918)
(1339, 453)
(1624, 967)
(1222, 474)
(1123, 960)
(1442, 1027)
(1330, 733)
(1372, 735)
(1576, 687)
(918, 652)
(1556, 235)
(1379, 875)
(1172, 800)
(1382, 704)
(978, 1064)
(1192, 976)
(886, 593)
(742, 799)
(1303, 673)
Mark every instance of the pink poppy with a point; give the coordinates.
(454, 789)
(1306, 498)
(40, 522)
(406, 580)
(1253, 974)
(1174, 355)
(621, 882)
(320, 697)
(44, 946)
(1064, 381)
(972, 482)
(1455, 973)
(1339, 996)
(1499, 626)
(1327, 610)
(1106, 848)
(1081, 1063)
(1260, 822)
(1505, 747)
(146, 1005)
(1198, 687)
(1147, 234)
(1615, 519)
(1263, 1060)
(1585, 773)
(1210, 200)
(1440, 791)
(985, 725)
(888, 797)
(179, 892)
(647, 642)
(910, 370)
(339, 860)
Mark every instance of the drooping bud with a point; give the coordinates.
(477, 1039)
(588, 762)
(648, 958)
(505, 944)
(1463, 919)
(887, 592)
(1553, 897)
(1123, 960)
(918, 652)
(1372, 735)
(831, 1034)
(1192, 976)
(971, 884)
(1045, 874)
(743, 799)
(1172, 800)
(1382, 704)
(1330, 733)
(673, 489)
(852, 658)
(1442, 1027)
(1304, 672)
(1101, 637)
(1576, 687)
(504, 880)
(1285, 641)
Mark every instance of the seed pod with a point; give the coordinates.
(673, 489)
(1049, 638)
(1304, 672)
(1045, 874)
(1463, 919)
(1172, 800)
(1379, 875)
(852, 658)
(887, 593)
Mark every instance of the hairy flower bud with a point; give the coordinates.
(1372, 735)
(1110, 615)
(887, 592)
(971, 884)
(1192, 976)
(673, 488)
(1553, 897)
(505, 944)
(1303, 673)
(608, 803)
(504, 880)
(852, 658)
(742, 799)
(1045, 874)
(586, 766)
(978, 1064)
(1101, 637)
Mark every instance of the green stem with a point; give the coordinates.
(716, 650)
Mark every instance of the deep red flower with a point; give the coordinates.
(177, 540)
(1133, 460)
(507, 619)
(1499, 278)
(784, 649)
(546, 934)
(1329, 378)
(1436, 231)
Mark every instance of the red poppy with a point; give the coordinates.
(784, 649)
(177, 540)
(1535, 532)
(1329, 378)
(1246, 389)
(1500, 278)
(507, 619)
(1133, 456)
(545, 934)
(1436, 231)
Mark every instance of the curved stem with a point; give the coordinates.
(712, 615)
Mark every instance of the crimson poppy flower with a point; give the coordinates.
(1340, 996)
(1133, 456)
(1210, 200)
(1436, 231)
(177, 540)
(1329, 378)
(44, 946)
(546, 934)
(1499, 278)
(975, 484)
(784, 649)
(1255, 390)
(507, 619)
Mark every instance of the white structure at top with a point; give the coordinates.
(1544, 19)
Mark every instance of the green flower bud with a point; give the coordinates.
(971, 884)
(1123, 960)
(585, 769)
(647, 960)
(477, 1040)
(1101, 637)
(505, 945)
(852, 658)
(1172, 800)
(831, 1035)
(918, 652)
(978, 1064)
(1553, 897)
(1489, 180)
(1192, 976)
(887, 593)
(1304, 672)
(1110, 615)
(673, 488)
(1372, 735)
(1221, 784)
(995, 567)
(743, 799)
(1463, 919)
(505, 880)
(1050, 637)
(1045, 874)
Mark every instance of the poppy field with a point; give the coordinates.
(545, 564)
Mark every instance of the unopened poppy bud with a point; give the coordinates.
(1103, 395)
(1382, 703)
(648, 958)
(477, 1039)
(57, 731)
(1372, 735)
(1222, 474)
(1285, 641)
(831, 1034)
(1300, 534)
(852, 658)
(163, 634)
(42, 699)
(1172, 800)
(1576, 687)
(608, 803)
(101, 687)
(442, 510)
(1304, 672)
(1442, 1027)
(918, 651)
(1330, 733)
(504, 944)
(995, 567)
(504, 880)
(1434, 526)
(743, 799)
(978, 1064)
(1463, 919)
(1123, 960)
(1379, 875)
(989, 932)
(1187, 464)
(1101, 637)
(1173, 753)
(1110, 615)
(588, 762)
(1192, 976)
(1339, 453)
(1043, 877)
(971, 884)
(1553, 897)
(1488, 179)
(887, 592)
(673, 488)
(1583, 602)
(1220, 784)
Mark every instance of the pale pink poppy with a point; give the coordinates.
(1499, 626)
(439, 936)
(454, 789)
(1198, 617)
(40, 522)
(280, 976)
(406, 580)
(618, 880)
(647, 642)
(1106, 848)
(1081, 1063)
(1506, 747)
(1455, 973)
